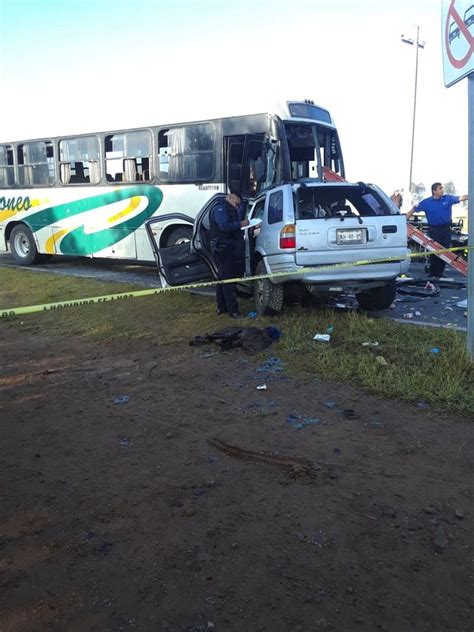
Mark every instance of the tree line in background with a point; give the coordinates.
(419, 191)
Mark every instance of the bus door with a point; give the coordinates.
(251, 163)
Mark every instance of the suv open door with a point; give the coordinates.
(190, 262)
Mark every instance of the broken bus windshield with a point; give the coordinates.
(309, 141)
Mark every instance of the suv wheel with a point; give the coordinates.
(268, 296)
(378, 297)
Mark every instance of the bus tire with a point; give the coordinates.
(268, 296)
(23, 246)
(179, 235)
(378, 297)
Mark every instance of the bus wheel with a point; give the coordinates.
(268, 296)
(179, 236)
(22, 246)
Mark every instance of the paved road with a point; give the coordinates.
(103, 269)
(440, 311)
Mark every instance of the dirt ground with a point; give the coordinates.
(196, 505)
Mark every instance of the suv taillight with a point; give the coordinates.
(288, 236)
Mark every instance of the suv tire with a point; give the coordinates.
(268, 296)
(378, 297)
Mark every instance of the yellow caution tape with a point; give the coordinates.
(46, 307)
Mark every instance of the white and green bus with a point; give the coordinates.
(91, 194)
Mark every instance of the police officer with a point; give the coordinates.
(228, 250)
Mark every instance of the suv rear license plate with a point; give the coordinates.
(351, 236)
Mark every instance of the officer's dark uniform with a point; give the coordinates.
(228, 250)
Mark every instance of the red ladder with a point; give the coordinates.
(452, 258)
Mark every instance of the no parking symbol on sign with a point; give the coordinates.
(458, 39)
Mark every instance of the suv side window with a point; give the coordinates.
(259, 209)
(275, 207)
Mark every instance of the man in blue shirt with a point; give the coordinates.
(228, 250)
(438, 210)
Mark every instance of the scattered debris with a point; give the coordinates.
(422, 404)
(349, 413)
(252, 315)
(408, 315)
(459, 513)
(299, 421)
(262, 387)
(329, 329)
(210, 354)
(332, 473)
(440, 540)
(435, 350)
(386, 511)
(125, 442)
(462, 304)
(381, 360)
(123, 399)
(272, 365)
(370, 344)
(322, 337)
(210, 459)
(329, 403)
(420, 287)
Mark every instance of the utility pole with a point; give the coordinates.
(417, 44)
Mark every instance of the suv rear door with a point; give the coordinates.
(345, 223)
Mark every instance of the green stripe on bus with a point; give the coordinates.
(81, 243)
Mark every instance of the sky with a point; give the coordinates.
(75, 66)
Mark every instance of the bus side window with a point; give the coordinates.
(128, 157)
(79, 160)
(187, 154)
(36, 163)
(7, 174)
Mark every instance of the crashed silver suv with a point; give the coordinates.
(305, 229)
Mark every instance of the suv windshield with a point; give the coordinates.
(340, 201)
(305, 142)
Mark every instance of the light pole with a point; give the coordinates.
(417, 45)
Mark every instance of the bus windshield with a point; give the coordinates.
(311, 147)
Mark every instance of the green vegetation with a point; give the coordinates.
(411, 372)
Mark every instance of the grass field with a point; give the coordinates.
(402, 365)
